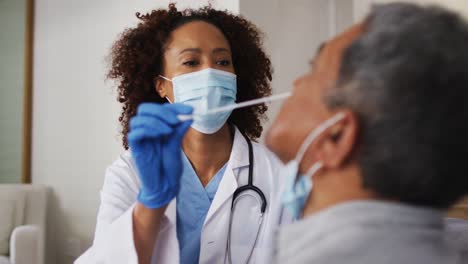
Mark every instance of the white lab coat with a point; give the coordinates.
(113, 242)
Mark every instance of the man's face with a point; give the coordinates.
(305, 109)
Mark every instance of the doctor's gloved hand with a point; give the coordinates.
(155, 142)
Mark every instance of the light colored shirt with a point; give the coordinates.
(193, 203)
(369, 232)
(457, 232)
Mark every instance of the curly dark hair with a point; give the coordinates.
(137, 56)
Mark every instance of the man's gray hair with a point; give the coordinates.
(406, 77)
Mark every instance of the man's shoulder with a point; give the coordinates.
(361, 245)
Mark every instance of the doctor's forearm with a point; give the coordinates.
(146, 224)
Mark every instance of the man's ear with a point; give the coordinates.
(340, 141)
(160, 87)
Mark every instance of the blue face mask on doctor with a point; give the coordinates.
(205, 90)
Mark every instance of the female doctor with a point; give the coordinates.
(196, 191)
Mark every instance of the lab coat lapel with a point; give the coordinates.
(166, 250)
(239, 158)
(169, 222)
(171, 211)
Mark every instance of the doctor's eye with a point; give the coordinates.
(224, 62)
(191, 63)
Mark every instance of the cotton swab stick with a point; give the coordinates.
(231, 107)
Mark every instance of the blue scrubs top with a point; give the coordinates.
(193, 203)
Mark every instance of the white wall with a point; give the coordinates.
(75, 128)
(294, 29)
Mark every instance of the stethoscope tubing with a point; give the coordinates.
(248, 187)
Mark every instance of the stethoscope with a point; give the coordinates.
(236, 197)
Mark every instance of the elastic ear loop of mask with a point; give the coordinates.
(314, 169)
(167, 79)
(311, 137)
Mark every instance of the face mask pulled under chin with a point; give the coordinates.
(298, 187)
(204, 90)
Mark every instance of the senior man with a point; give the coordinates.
(376, 140)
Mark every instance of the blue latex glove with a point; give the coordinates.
(155, 142)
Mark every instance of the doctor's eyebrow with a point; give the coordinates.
(217, 50)
(198, 50)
